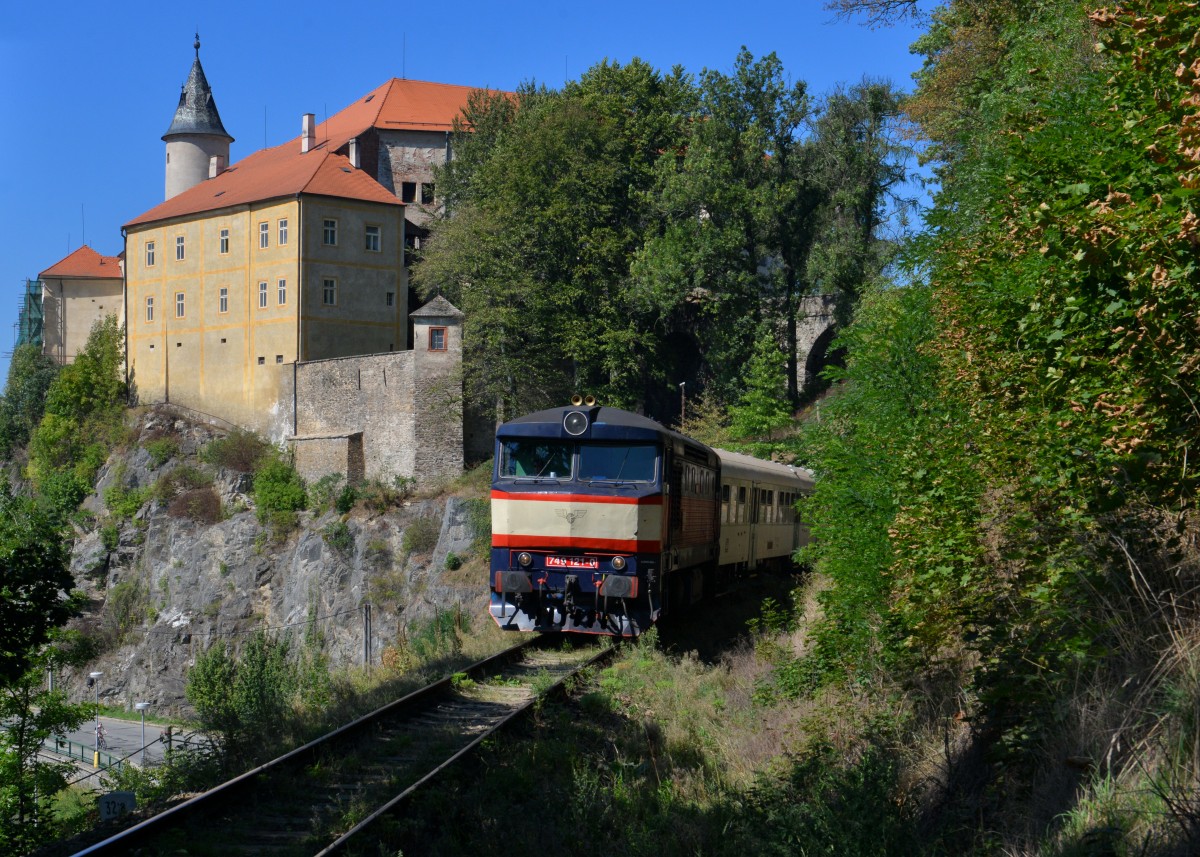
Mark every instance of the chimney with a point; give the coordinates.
(354, 153)
(216, 166)
(308, 132)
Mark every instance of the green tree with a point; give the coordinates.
(245, 699)
(84, 409)
(29, 377)
(28, 781)
(35, 584)
(547, 211)
(762, 409)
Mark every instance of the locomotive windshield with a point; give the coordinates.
(617, 463)
(535, 459)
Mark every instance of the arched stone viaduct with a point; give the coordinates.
(815, 329)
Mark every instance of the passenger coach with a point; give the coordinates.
(604, 520)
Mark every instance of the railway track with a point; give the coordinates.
(324, 798)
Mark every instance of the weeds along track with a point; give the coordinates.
(324, 798)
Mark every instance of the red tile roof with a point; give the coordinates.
(285, 171)
(85, 262)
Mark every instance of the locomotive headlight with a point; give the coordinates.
(576, 422)
(524, 559)
(618, 563)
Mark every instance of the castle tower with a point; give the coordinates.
(197, 143)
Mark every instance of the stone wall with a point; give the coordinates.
(373, 396)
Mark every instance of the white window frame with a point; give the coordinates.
(329, 288)
(180, 305)
(262, 294)
(180, 248)
(223, 300)
(150, 308)
(223, 247)
(283, 231)
(264, 235)
(281, 292)
(149, 254)
(329, 230)
(373, 238)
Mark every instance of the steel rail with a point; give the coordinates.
(120, 843)
(351, 835)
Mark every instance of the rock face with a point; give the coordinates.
(163, 588)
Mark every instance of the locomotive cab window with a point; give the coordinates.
(535, 459)
(618, 463)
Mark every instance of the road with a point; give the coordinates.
(124, 737)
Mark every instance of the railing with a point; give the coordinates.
(85, 753)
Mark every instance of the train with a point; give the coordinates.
(604, 521)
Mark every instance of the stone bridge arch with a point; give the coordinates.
(815, 330)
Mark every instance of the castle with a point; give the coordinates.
(272, 293)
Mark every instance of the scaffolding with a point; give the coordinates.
(30, 318)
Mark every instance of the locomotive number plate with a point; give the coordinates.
(572, 562)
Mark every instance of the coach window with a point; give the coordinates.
(725, 504)
(741, 505)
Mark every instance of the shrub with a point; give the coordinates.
(278, 488)
(345, 500)
(161, 450)
(242, 451)
(198, 504)
(378, 496)
(421, 535)
(124, 502)
(337, 535)
(453, 562)
(324, 492)
(110, 536)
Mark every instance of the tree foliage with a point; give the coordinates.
(29, 377)
(635, 228)
(35, 584)
(84, 408)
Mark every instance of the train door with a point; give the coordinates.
(752, 514)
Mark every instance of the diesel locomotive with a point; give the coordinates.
(603, 521)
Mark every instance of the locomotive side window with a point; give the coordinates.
(529, 458)
(624, 463)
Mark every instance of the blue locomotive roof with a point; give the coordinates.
(604, 424)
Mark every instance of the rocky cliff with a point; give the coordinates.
(164, 586)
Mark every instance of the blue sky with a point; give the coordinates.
(88, 89)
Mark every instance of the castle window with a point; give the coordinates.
(282, 292)
(408, 191)
(264, 235)
(390, 299)
(282, 231)
(262, 295)
(262, 361)
(179, 251)
(427, 194)
(329, 292)
(224, 241)
(278, 358)
(372, 239)
(329, 232)
(150, 309)
(437, 339)
(179, 304)
(149, 254)
(223, 300)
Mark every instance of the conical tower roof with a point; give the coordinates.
(197, 111)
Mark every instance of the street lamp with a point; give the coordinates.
(682, 402)
(93, 682)
(142, 706)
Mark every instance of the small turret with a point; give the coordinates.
(196, 135)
